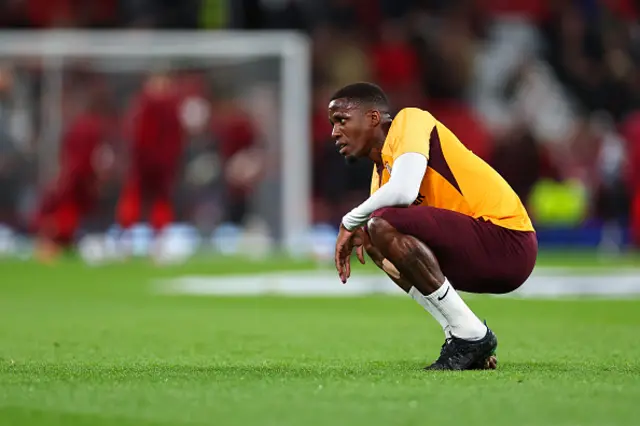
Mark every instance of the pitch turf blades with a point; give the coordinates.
(84, 346)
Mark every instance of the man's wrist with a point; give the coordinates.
(348, 224)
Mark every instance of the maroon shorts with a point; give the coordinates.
(475, 255)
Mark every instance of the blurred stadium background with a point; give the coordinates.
(547, 91)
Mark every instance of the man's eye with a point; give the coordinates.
(342, 121)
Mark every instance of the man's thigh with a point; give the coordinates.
(475, 255)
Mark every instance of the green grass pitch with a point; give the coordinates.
(95, 346)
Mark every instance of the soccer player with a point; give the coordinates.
(75, 192)
(156, 151)
(439, 219)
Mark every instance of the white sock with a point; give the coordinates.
(429, 307)
(462, 321)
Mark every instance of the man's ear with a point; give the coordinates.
(375, 117)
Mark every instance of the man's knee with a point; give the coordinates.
(380, 231)
(380, 261)
(404, 254)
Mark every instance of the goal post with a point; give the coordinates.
(113, 52)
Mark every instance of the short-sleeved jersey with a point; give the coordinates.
(456, 179)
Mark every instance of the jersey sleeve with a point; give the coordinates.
(411, 131)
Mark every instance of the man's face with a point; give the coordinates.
(352, 128)
(158, 85)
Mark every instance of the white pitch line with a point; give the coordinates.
(543, 283)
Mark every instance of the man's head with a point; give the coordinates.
(357, 113)
(158, 84)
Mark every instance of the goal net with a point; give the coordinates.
(245, 106)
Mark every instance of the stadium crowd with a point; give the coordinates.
(547, 91)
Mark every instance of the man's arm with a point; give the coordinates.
(401, 190)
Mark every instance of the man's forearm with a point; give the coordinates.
(401, 190)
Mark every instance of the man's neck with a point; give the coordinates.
(375, 154)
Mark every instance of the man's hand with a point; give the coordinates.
(345, 243)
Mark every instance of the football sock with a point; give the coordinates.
(429, 307)
(462, 321)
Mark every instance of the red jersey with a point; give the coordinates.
(157, 134)
(79, 144)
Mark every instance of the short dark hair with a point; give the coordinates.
(364, 92)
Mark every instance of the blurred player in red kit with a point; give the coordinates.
(635, 194)
(631, 132)
(156, 138)
(83, 162)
